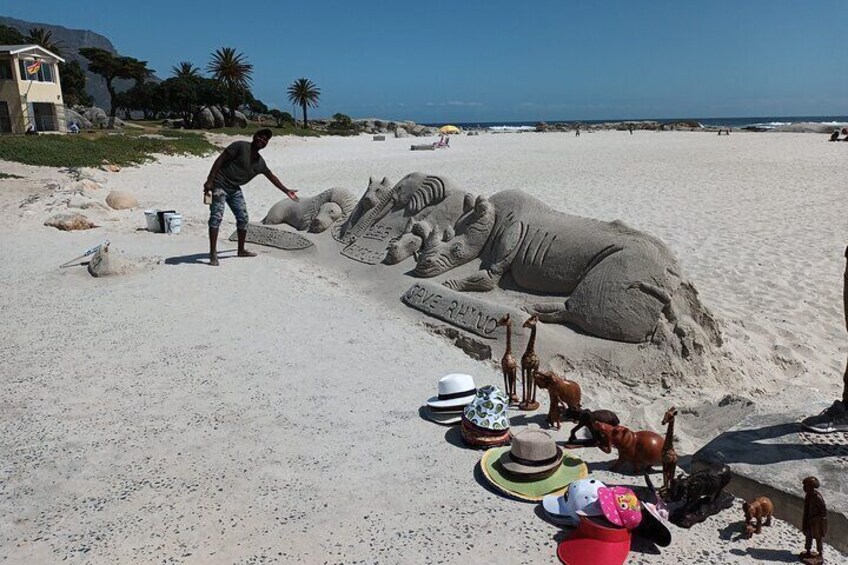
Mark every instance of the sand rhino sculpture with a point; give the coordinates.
(314, 214)
(391, 222)
(619, 282)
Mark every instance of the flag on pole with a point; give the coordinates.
(34, 67)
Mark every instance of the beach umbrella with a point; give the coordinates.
(449, 129)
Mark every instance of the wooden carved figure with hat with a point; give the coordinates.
(814, 521)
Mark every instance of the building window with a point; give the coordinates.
(43, 74)
(6, 69)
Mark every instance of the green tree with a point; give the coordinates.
(232, 70)
(72, 77)
(44, 38)
(11, 36)
(304, 93)
(110, 67)
(143, 97)
(185, 70)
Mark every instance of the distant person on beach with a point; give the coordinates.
(630, 128)
(237, 165)
(834, 136)
(577, 130)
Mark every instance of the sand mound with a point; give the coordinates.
(70, 222)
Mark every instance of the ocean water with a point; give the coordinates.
(764, 122)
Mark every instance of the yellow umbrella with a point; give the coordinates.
(448, 129)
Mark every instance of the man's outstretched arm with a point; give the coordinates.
(276, 182)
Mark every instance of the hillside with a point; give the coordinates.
(71, 40)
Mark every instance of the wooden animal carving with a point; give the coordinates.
(508, 363)
(561, 391)
(669, 455)
(641, 449)
(706, 485)
(529, 366)
(761, 508)
(586, 418)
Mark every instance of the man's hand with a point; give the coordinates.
(207, 186)
(292, 194)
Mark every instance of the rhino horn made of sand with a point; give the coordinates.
(619, 282)
(314, 214)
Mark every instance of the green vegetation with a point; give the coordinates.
(111, 67)
(90, 149)
(232, 70)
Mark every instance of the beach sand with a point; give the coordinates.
(267, 410)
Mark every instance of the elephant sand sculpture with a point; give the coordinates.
(314, 214)
(619, 281)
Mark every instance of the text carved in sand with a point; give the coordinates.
(470, 314)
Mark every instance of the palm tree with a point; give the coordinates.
(304, 92)
(44, 38)
(234, 72)
(185, 70)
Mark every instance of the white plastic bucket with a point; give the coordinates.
(152, 218)
(173, 222)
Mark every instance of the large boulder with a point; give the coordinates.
(204, 119)
(401, 132)
(120, 200)
(74, 116)
(70, 222)
(217, 116)
(99, 118)
(240, 120)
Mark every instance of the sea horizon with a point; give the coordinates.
(762, 122)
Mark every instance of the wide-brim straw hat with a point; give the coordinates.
(533, 454)
(570, 469)
(455, 391)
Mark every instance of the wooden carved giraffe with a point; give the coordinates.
(529, 366)
(669, 455)
(508, 364)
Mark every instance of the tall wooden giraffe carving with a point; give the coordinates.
(508, 363)
(669, 455)
(529, 366)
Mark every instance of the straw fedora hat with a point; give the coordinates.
(455, 391)
(533, 454)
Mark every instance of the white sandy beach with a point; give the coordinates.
(266, 411)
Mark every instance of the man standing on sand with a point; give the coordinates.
(234, 167)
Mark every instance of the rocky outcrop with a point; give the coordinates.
(70, 222)
(73, 116)
(217, 117)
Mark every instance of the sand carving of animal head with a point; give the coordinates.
(415, 233)
(376, 193)
(328, 214)
(457, 245)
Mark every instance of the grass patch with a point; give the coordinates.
(90, 149)
(9, 176)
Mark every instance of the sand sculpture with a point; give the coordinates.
(610, 280)
(315, 214)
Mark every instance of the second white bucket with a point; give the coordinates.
(173, 222)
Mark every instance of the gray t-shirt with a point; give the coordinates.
(238, 169)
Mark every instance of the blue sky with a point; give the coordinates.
(495, 60)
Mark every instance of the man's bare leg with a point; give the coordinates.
(213, 247)
(242, 252)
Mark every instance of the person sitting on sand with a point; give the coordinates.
(234, 167)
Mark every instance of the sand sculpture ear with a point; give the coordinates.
(448, 235)
(409, 224)
(370, 181)
(432, 239)
(467, 203)
(422, 230)
(385, 181)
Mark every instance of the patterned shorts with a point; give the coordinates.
(234, 198)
